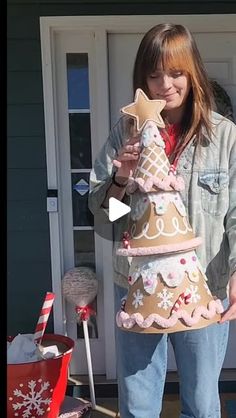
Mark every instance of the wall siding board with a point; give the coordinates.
(122, 7)
(28, 283)
(27, 216)
(23, 21)
(96, 3)
(25, 120)
(29, 273)
(25, 27)
(28, 247)
(180, 8)
(26, 153)
(20, 9)
(27, 184)
(25, 87)
(23, 55)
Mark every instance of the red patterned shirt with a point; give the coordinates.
(170, 137)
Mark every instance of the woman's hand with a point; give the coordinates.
(230, 312)
(127, 158)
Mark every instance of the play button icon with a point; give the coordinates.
(117, 209)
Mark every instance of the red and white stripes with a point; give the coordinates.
(184, 297)
(43, 317)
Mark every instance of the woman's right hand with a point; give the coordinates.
(127, 158)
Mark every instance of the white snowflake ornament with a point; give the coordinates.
(32, 401)
(195, 296)
(165, 297)
(138, 298)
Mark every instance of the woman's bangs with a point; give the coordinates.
(176, 56)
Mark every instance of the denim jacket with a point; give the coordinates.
(209, 172)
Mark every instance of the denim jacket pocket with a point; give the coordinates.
(214, 192)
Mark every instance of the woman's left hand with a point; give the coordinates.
(230, 312)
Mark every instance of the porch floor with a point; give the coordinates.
(108, 407)
(107, 402)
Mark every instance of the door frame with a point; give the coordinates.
(101, 26)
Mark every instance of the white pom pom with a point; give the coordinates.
(80, 286)
(151, 134)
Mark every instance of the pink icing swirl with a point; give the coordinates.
(169, 183)
(127, 321)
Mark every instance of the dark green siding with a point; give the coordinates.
(29, 272)
(29, 275)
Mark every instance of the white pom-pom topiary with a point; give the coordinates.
(80, 286)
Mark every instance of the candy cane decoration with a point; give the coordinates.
(184, 297)
(43, 317)
(172, 169)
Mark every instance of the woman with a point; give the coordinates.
(202, 146)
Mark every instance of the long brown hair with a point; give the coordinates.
(173, 47)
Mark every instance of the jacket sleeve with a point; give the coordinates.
(230, 226)
(101, 174)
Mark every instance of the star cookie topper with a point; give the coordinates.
(143, 110)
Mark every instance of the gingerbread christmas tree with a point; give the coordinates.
(168, 289)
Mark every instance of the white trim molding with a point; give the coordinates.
(128, 24)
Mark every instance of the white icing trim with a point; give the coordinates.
(160, 227)
(140, 203)
(160, 249)
(172, 269)
(160, 162)
(162, 200)
(127, 321)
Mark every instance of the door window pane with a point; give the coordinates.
(80, 140)
(84, 248)
(81, 162)
(77, 80)
(80, 188)
(85, 256)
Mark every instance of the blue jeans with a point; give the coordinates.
(142, 364)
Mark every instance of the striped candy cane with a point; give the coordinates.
(43, 317)
(184, 297)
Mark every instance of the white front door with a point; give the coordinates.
(80, 55)
(219, 54)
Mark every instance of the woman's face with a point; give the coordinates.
(173, 86)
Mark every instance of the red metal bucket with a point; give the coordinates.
(37, 389)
